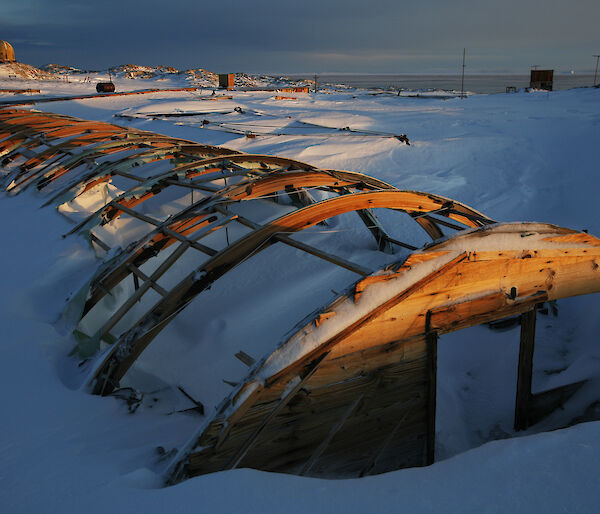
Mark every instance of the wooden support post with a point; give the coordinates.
(245, 358)
(431, 339)
(376, 228)
(525, 370)
(299, 197)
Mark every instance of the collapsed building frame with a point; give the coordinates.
(352, 390)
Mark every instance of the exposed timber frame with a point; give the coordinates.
(352, 391)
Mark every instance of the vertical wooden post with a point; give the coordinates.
(431, 339)
(525, 370)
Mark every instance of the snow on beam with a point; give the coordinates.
(472, 278)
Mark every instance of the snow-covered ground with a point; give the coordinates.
(526, 156)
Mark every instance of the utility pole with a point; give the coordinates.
(462, 82)
(596, 72)
(316, 77)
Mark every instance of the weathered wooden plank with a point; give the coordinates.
(276, 410)
(245, 358)
(525, 370)
(431, 339)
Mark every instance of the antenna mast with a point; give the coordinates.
(462, 82)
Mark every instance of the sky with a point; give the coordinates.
(322, 36)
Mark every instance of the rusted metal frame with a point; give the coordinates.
(227, 259)
(319, 450)
(242, 451)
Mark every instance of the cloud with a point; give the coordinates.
(284, 36)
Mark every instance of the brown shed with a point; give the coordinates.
(226, 80)
(541, 79)
(7, 52)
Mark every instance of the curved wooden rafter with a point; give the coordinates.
(196, 217)
(130, 345)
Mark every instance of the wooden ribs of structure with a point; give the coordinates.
(351, 391)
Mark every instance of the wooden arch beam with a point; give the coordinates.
(188, 220)
(133, 342)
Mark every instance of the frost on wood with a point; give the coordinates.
(350, 390)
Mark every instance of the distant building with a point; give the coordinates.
(7, 52)
(226, 80)
(541, 79)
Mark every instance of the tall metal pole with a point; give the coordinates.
(316, 77)
(462, 82)
(596, 72)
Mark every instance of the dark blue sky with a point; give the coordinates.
(286, 36)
